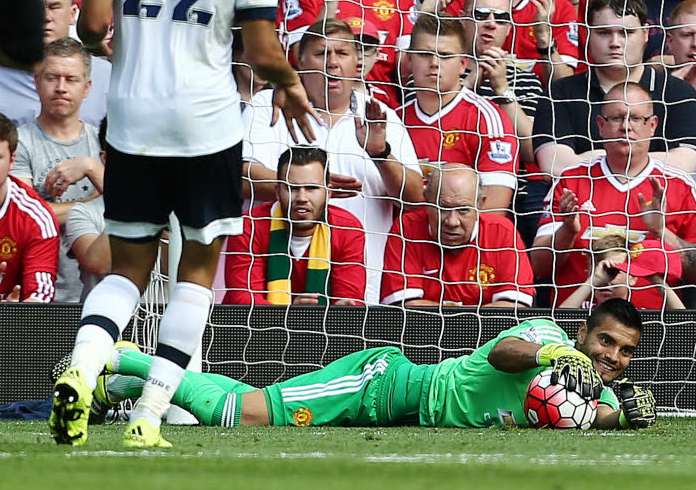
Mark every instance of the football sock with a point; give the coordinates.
(106, 312)
(122, 388)
(202, 394)
(181, 329)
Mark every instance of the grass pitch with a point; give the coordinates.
(355, 459)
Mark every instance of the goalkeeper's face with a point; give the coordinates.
(610, 345)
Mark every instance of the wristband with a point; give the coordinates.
(384, 154)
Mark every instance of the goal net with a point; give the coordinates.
(261, 344)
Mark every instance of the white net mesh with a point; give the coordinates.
(263, 345)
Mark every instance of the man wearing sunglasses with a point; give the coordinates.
(551, 52)
(626, 192)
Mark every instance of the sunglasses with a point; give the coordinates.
(483, 13)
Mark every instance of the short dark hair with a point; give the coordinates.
(8, 132)
(620, 310)
(326, 29)
(621, 8)
(301, 155)
(438, 25)
(67, 47)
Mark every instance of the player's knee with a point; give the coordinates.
(254, 409)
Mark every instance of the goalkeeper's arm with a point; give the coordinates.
(514, 355)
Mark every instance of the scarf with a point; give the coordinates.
(279, 262)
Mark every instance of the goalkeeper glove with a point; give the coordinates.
(580, 374)
(637, 406)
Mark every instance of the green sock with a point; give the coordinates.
(202, 394)
(133, 363)
(122, 387)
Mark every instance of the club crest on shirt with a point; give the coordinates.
(636, 249)
(449, 139)
(500, 151)
(384, 9)
(302, 417)
(484, 275)
(8, 248)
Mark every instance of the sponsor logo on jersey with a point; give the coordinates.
(302, 417)
(506, 417)
(484, 275)
(449, 139)
(573, 34)
(8, 248)
(501, 151)
(384, 10)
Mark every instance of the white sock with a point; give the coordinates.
(181, 329)
(106, 312)
(158, 390)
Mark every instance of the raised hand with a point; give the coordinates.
(292, 101)
(568, 207)
(652, 211)
(372, 132)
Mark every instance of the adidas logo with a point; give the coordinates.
(587, 206)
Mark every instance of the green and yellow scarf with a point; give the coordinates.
(278, 270)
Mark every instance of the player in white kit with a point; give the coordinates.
(174, 144)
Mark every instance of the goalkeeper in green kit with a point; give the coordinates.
(381, 387)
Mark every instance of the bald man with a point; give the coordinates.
(449, 253)
(626, 192)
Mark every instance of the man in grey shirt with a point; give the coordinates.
(87, 243)
(18, 97)
(58, 154)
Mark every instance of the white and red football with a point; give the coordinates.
(554, 406)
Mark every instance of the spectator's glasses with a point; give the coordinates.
(632, 120)
(483, 13)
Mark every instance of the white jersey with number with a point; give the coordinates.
(172, 92)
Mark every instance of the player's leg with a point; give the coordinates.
(135, 212)
(207, 195)
(347, 392)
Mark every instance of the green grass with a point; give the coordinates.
(355, 459)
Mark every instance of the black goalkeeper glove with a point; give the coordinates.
(580, 374)
(637, 406)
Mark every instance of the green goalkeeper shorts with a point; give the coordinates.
(373, 387)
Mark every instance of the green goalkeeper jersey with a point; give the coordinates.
(469, 392)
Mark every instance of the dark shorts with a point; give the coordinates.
(204, 192)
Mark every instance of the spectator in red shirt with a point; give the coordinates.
(393, 18)
(448, 122)
(298, 249)
(28, 232)
(544, 37)
(625, 192)
(615, 273)
(450, 254)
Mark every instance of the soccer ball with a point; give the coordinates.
(555, 407)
